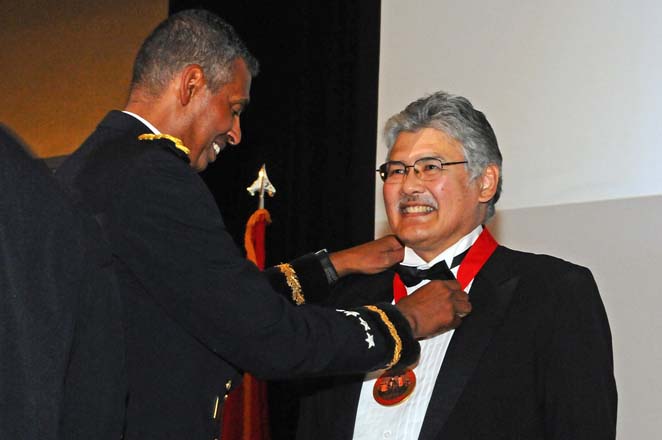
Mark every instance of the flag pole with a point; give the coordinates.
(246, 412)
(262, 185)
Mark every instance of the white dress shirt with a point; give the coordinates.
(404, 420)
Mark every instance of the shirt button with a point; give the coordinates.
(387, 434)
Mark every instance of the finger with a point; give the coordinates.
(462, 313)
(462, 308)
(459, 293)
(458, 296)
(453, 285)
(455, 323)
(393, 241)
(395, 256)
(462, 301)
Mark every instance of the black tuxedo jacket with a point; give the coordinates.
(196, 311)
(62, 371)
(532, 361)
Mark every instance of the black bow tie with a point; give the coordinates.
(411, 275)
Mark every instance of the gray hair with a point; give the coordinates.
(194, 36)
(455, 116)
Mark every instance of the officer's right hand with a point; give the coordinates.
(435, 308)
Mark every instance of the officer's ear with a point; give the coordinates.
(191, 82)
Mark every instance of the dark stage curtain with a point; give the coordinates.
(313, 121)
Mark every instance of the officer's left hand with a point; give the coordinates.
(368, 258)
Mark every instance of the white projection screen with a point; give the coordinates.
(573, 90)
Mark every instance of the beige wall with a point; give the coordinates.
(572, 89)
(66, 63)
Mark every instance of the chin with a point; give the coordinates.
(199, 167)
(411, 238)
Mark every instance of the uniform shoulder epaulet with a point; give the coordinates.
(168, 142)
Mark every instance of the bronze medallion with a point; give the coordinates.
(392, 388)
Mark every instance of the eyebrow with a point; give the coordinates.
(419, 158)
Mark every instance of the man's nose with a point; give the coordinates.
(234, 135)
(411, 181)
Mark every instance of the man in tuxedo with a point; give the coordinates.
(62, 369)
(534, 358)
(196, 312)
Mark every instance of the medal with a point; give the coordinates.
(392, 388)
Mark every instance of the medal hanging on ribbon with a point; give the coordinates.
(392, 387)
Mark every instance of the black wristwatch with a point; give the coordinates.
(330, 271)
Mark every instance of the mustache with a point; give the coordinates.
(422, 199)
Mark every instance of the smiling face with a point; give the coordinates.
(430, 216)
(215, 120)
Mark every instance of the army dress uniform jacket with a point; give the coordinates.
(533, 360)
(196, 311)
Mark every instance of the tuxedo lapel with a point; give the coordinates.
(490, 296)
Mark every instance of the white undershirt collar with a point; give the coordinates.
(413, 259)
(144, 121)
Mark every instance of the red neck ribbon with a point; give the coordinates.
(479, 253)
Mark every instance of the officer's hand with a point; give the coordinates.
(368, 258)
(435, 308)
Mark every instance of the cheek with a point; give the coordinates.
(223, 121)
(391, 207)
(391, 198)
(211, 121)
(438, 190)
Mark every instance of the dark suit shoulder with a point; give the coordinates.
(545, 286)
(539, 264)
(542, 285)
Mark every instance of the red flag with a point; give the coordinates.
(245, 414)
(254, 236)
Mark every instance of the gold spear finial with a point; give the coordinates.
(262, 185)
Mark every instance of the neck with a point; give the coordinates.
(457, 246)
(156, 110)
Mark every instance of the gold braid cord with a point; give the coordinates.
(293, 282)
(394, 334)
(178, 143)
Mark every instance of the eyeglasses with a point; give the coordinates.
(426, 168)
